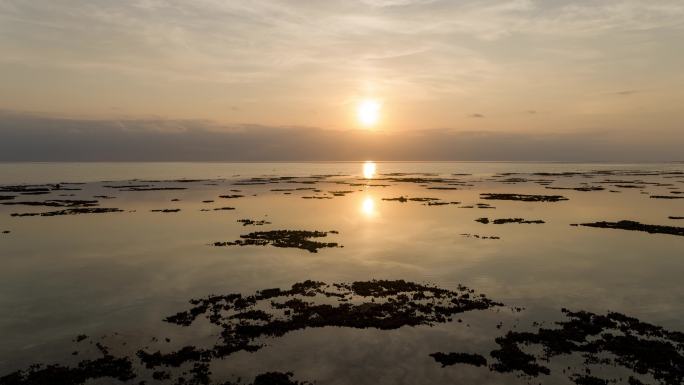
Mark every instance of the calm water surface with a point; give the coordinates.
(100, 274)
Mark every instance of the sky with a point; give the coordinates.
(284, 80)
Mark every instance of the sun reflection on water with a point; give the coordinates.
(369, 168)
(368, 206)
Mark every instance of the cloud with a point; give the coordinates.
(626, 92)
(30, 137)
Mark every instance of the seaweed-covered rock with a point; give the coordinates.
(636, 226)
(459, 358)
(71, 211)
(108, 366)
(523, 197)
(501, 221)
(383, 304)
(252, 222)
(586, 340)
(300, 239)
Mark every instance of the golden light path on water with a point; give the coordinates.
(368, 206)
(368, 203)
(369, 168)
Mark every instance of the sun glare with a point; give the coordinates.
(368, 112)
(368, 207)
(369, 170)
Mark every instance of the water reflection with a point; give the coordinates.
(369, 169)
(368, 206)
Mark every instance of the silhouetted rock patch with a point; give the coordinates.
(276, 378)
(613, 339)
(480, 236)
(165, 210)
(251, 222)
(403, 199)
(300, 239)
(459, 358)
(523, 197)
(586, 341)
(636, 226)
(71, 211)
(666, 197)
(127, 186)
(340, 193)
(107, 366)
(382, 304)
(154, 188)
(502, 221)
(55, 203)
(231, 196)
(583, 379)
(441, 203)
(581, 188)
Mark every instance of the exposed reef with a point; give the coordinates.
(403, 199)
(459, 358)
(523, 197)
(154, 189)
(106, 366)
(55, 203)
(502, 221)
(581, 188)
(71, 211)
(245, 320)
(480, 236)
(636, 226)
(251, 222)
(300, 239)
(597, 341)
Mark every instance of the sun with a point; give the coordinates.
(368, 112)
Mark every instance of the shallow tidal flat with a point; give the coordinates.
(343, 273)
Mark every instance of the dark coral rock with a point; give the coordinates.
(251, 222)
(523, 197)
(613, 339)
(666, 197)
(636, 226)
(300, 239)
(459, 358)
(275, 312)
(108, 366)
(72, 211)
(502, 221)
